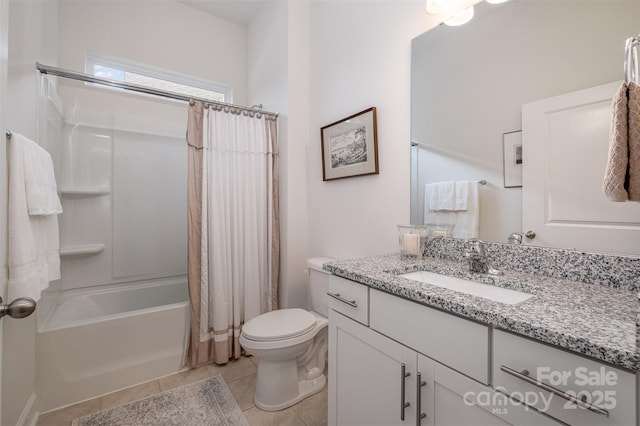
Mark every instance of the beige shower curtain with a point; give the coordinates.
(233, 227)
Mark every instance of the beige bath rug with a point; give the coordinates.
(207, 402)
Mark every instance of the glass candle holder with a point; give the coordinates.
(412, 239)
(441, 229)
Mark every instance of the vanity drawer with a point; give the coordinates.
(609, 392)
(349, 298)
(461, 344)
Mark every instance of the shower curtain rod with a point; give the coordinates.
(60, 72)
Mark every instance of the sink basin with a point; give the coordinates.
(486, 291)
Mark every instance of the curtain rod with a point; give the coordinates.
(60, 72)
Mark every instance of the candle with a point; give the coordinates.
(411, 244)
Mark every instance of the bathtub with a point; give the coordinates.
(93, 342)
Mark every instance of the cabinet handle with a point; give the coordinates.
(419, 384)
(403, 376)
(525, 377)
(337, 296)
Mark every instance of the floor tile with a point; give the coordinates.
(243, 391)
(233, 370)
(287, 417)
(183, 378)
(64, 416)
(254, 360)
(132, 393)
(240, 376)
(313, 410)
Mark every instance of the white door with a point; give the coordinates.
(4, 47)
(565, 143)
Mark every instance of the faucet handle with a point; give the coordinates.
(476, 246)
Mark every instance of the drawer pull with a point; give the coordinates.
(403, 376)
(525, 376)
(419, 384)
(337, 296)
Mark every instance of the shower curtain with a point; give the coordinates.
(233, 227)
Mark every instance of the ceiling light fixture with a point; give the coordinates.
(460, 17)
(456, 12)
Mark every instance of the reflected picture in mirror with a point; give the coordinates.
(512, 156)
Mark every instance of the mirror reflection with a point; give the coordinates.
(469, 85)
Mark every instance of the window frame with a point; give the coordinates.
(92, 59)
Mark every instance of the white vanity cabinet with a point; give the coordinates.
(457, 400)
(366, 378)
(381, 375)
(549, 378)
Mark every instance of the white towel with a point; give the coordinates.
(462, 196)
(451, 196)
(467, 222)
(42, 193)
(34, 248)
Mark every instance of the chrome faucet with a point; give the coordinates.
(478, 259)
(515, 238)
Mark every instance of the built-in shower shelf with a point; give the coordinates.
(84, 192)
(81, 250)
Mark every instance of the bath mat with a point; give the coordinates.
(207, 402)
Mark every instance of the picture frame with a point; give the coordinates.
(512, 159)
(350, 146)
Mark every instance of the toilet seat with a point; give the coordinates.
(279, 325)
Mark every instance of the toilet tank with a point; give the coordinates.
(319, 285)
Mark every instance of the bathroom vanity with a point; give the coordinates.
(403, 351)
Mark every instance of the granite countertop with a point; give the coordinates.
(591, 319)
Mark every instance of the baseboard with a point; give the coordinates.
(29, 416)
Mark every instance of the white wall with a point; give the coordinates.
(33, 29)
(361, 57)
(163, 34)
(278, 78)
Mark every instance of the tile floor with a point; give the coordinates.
(239, 375)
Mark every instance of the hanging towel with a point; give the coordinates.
(633, 187)
(33, 241)
(622, 175)
(42, 193)
(467, 222)
(449, 196)
(618, 159)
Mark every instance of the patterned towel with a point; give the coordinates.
(633, 174)
(615, 178)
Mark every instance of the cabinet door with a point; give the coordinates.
(449, 398)
(365, 376)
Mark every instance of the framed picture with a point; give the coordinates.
(350, 146)
(512, 159)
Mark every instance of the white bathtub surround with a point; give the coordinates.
(105, 338)
(34, 248)
(233, 227)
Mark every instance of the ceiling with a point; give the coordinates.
(238, 11)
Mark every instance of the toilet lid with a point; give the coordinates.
(278, 325)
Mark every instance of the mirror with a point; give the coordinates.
(468, 85)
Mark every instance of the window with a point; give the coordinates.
(142, 75)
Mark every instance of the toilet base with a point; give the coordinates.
(306, 388)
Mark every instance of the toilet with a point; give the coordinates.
(291, 345)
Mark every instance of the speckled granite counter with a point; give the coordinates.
(591, 319)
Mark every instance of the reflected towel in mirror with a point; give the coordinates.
(467, 221)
